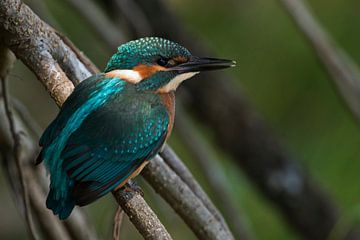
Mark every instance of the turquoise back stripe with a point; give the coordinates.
(98, 98)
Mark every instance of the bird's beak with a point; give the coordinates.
(197, 64)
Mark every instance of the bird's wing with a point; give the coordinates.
(92, 145)
(78, 97)
(111, 144)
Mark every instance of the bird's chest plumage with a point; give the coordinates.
(132, 112)
(168, 99)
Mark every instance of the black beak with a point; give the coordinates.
(197, 64)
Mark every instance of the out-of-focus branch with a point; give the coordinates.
(77, 225)
(134, 17)
(7, 60)
(184, 201)
(50, 226)
(212, 170)
(111, 34)
(343, 71)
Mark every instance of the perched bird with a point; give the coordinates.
(114, 122)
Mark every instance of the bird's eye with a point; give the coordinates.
(162, 61)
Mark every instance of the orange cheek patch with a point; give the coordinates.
(146, 71)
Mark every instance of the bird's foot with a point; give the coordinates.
(131, 186)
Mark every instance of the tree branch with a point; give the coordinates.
(145, 220)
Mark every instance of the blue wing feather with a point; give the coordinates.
(89, 152)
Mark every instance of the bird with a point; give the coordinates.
(114, 122)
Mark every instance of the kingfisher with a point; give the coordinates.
(114, 122)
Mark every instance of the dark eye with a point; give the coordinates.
(162, 61)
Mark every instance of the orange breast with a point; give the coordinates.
(169, 102)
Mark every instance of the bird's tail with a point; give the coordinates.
(60, 206)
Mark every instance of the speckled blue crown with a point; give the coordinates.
(143, 51)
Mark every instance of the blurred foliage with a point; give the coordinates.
(283, 79)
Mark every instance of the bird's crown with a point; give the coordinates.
(148, 50)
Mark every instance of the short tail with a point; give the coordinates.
(62, 207)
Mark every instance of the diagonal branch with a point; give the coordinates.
(343, 71)
(214, 173)
(141, 215)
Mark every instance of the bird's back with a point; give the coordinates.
(88, 159)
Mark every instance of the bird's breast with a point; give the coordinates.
(168, 99)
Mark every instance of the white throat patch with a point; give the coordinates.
(175, 82)
(130, 76)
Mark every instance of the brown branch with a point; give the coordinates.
(343, 71)
(145, 221)
(43, 51)
(184, 201)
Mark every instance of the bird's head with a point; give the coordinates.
(158, 64)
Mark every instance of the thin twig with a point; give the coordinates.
(119, 214)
